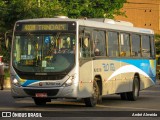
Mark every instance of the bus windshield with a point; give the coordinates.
(44, 52)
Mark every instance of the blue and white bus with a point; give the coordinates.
(80, 59)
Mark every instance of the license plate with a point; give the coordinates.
(41, 95)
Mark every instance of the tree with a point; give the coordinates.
(27, 9)
(92, 9)
(157, 44)
(3, 12)
(14, 10)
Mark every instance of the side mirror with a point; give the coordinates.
(8, 37)
(6, 42)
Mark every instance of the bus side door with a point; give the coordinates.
(85, 65)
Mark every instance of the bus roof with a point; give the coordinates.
(96, 23)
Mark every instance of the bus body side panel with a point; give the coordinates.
(105, 68)
(113, 80)
(117, 75)
(145, 68)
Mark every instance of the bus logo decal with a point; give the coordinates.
(108, 66)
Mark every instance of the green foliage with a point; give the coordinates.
(157, 43)
(92, 9)
(3, 12)
(13, 10)
(27, 9)
(7, 74)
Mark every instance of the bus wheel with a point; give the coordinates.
(133, 95)
(40, 101)
(92, 101)
(123, 96)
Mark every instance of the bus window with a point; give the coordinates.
(152, 47)
(125, 45)
(158, 61)
(136, 52)
(113, 48)
(99, 43)
(85, 46)
(145, 46)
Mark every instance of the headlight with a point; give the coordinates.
(69, 82)
(16, 82)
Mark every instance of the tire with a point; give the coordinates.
(123, 96)
(39, 101)
(133, 95)
(92, 101)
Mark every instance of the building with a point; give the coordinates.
(142, 13)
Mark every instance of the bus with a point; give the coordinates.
(80, 59)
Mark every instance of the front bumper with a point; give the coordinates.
(52, 92)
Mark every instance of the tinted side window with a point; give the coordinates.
(113, 47)
(152, 47)
(99, 43)
(158, 61)
(136, 42)
(145, 46)
(125, 44)
(85, 45)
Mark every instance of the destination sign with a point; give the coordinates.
(44, 27)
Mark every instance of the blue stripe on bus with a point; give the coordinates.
(28, 82)
(148, 66)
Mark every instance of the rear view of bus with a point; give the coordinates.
(43, 60)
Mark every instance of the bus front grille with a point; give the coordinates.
(41, 77)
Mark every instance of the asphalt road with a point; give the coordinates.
(112, 106)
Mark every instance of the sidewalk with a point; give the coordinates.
(158, 82)
(7, 84)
